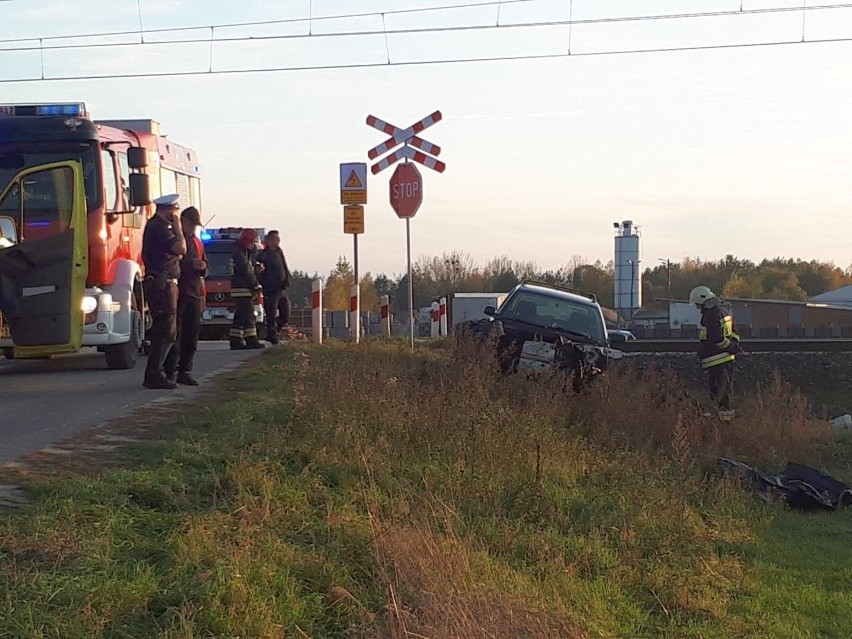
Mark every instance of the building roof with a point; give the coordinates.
(651, 313)
(841, 295)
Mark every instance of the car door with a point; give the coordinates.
(43, 275)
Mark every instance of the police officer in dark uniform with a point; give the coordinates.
(193, 270)
(275, 278)
(244, 290)
(163, 246)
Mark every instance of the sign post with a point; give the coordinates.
(353, 197)
(406, 185)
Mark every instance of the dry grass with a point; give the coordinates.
(371, 492)
(584, 482)
(438, 586)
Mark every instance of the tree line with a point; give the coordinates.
(435, 276)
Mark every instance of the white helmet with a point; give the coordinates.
(700, 295)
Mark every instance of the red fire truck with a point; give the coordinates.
(218, 313)
(75, 195)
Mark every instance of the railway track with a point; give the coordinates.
(791, 345)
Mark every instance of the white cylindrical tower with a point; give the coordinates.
(628, 270)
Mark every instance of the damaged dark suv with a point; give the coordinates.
(540, 328)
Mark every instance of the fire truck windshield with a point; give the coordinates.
(16, 157)
(218, 259)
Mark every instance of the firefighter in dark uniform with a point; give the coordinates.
(275, 278)
(163, 246)
(193, 270)
(244, 290)
(718, 349)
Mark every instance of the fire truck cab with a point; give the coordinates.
(75, 195)
(218, 314)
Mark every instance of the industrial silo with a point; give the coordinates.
(628, 270)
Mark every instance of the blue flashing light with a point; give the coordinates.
(38, 225)
(206, 237)
(67, 110)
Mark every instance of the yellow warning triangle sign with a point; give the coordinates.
(353, 182)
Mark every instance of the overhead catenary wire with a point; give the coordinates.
(429, 30)
(413, 63)
(390, 62)
(265, 23)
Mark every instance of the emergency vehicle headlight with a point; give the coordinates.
(90, 304)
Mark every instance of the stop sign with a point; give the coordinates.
(406, 191)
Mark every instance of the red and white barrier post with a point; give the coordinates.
(436, 319)
(355, 314)
(316, 311)
(443, 316)
(386, 319)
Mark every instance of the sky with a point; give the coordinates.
(743, 150)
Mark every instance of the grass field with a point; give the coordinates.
(368, 492)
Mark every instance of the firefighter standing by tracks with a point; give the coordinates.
(718, 348)
(275, 278)
(244, 290)
(193, 269)
(163, 246)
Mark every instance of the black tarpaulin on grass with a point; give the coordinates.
(802, 487)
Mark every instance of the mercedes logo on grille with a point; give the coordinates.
(220, 297)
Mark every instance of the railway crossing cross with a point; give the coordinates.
(406, 185)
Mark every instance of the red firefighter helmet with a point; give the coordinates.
(248, 238)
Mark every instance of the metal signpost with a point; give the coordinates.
(406, 185)
(353, 197)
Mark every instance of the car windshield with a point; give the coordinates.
(554, 313)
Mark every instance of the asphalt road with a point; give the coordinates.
(45, 401)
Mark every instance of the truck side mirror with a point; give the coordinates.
(490, 311)
(8, 232)
(617, 338)
(137, 158)
(140, 189)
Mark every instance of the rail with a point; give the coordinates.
(757, 345)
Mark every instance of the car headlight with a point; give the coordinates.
(89, 305)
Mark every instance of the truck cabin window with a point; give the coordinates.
(15, 157)
(41, 203)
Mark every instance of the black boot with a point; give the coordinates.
(159, 383)
(186, 379)
(237, 344)
(252, 343)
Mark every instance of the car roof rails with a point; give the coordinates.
(566, 289)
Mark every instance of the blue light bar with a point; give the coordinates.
(206, 237)
(68, 110)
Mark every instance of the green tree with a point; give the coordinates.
(300, 289)
(338, 286)
(369, 295)
(743, 286)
